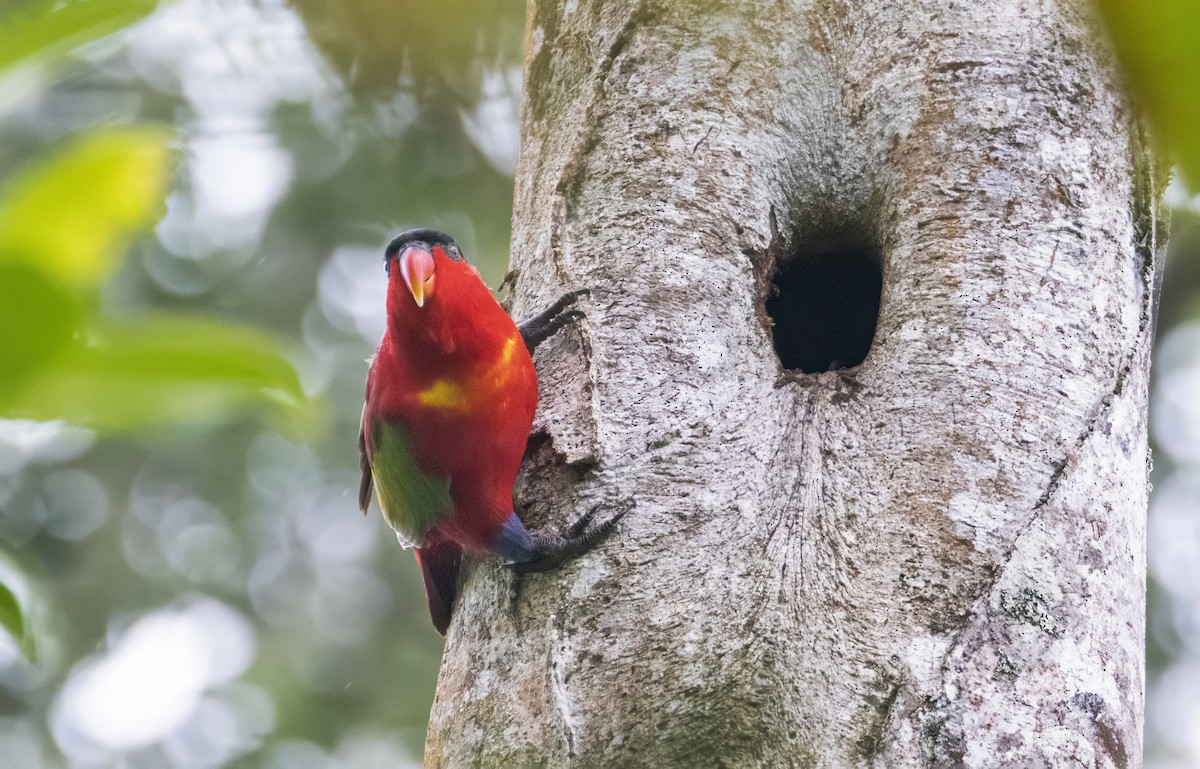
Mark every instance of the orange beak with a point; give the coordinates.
(416, 267)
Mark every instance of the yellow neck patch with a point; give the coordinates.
(457, 396)
(444, 394)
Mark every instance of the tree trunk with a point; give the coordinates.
(934, 558)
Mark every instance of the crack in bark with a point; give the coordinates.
(882, 700)
(781, 515)
(1145, 197)
(1104, 407)
(562, 700)
(931, 729)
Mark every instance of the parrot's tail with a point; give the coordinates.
(440, 561)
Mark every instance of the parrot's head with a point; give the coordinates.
(421, 259)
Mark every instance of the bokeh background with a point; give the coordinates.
(201, 190)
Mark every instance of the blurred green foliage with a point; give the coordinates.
(71, 215)
(43, 30)
(378, 46)
(64, 226)
(66, 221)
(1157, 44)
(166, 370)
(12, 619)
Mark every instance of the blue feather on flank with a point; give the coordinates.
(513, 541)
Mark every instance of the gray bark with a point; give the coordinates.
(933, 559)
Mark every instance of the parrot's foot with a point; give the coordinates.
(546, 323)
(551, 549)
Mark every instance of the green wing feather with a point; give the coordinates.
(411, 500)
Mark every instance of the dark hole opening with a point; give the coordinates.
(825, 304)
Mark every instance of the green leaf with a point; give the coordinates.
(38, 319)
(169, 371)
(1156, 44)
(45, 29)
(72, 216)
(12, 619)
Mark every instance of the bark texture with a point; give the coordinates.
(933, 559)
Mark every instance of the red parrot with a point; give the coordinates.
(451, 393)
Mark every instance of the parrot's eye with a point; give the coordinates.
(453, 252)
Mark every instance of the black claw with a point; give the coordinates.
(580, 525)
(567, 317)
(546, 323)
(552, 549)
(604, 529)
